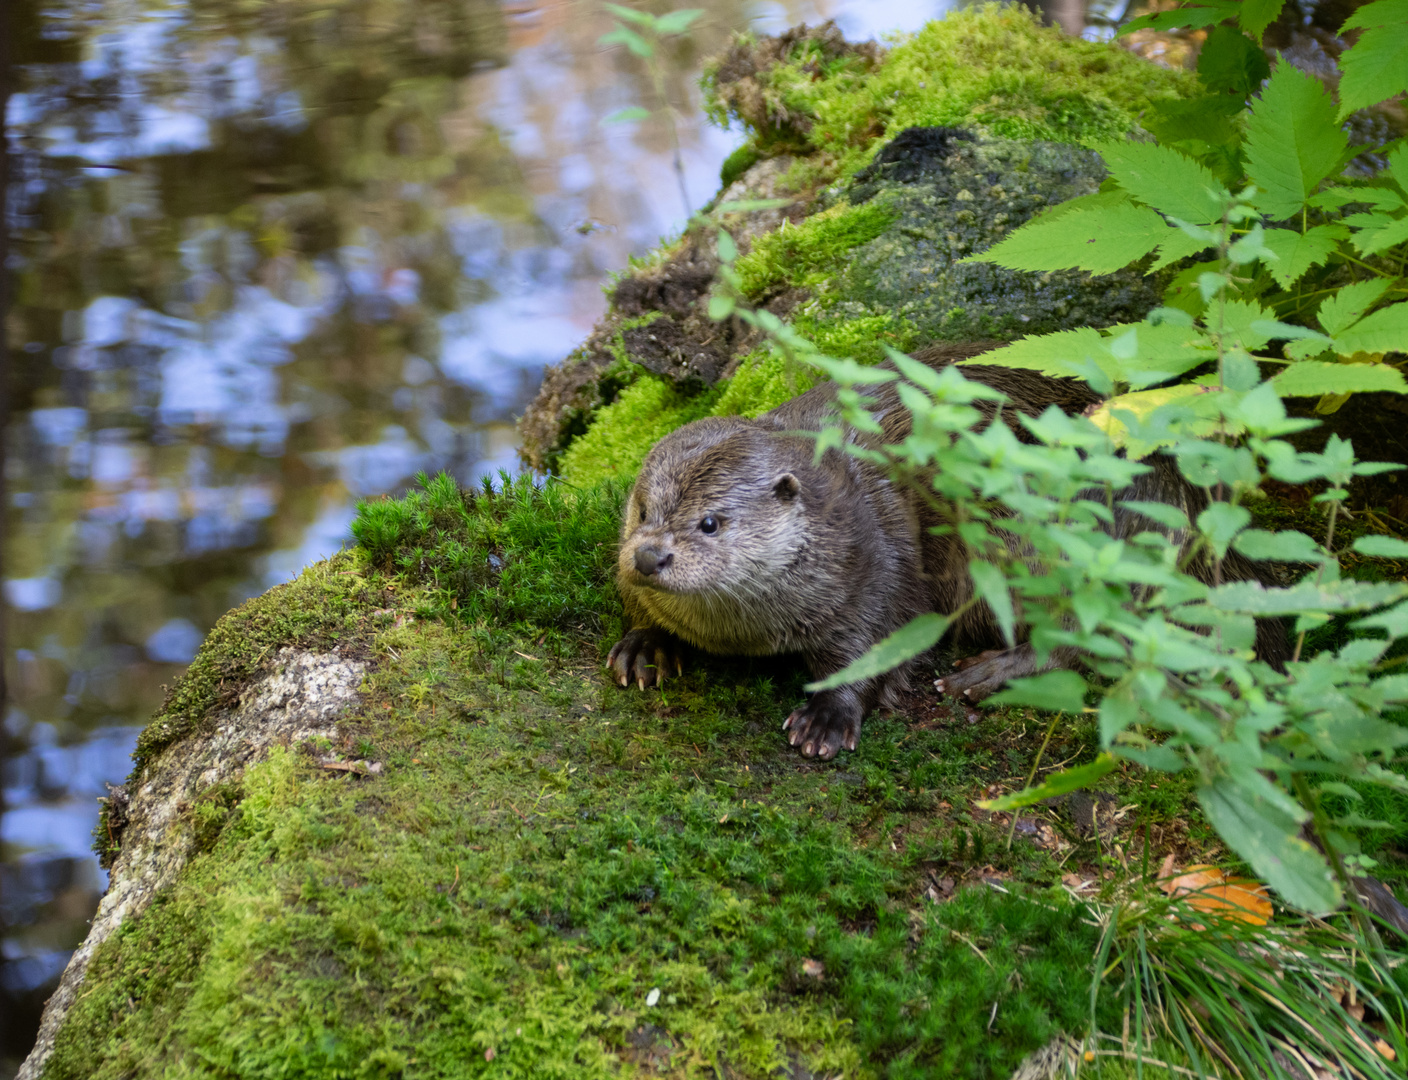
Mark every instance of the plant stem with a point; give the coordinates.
(1012, 829)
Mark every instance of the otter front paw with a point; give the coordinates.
(645, 656)
(823, 726)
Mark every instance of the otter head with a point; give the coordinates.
(717, 509)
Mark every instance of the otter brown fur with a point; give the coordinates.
(737, 541)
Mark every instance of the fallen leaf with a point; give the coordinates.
(1208, 889)
(814, 969)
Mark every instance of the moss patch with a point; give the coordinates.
(810, 252)
(543, 851)
(993, 66)
(625, 430)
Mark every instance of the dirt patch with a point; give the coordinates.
(664, 348)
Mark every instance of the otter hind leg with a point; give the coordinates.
(645, 657)
(989, 672)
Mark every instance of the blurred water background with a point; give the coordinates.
(270, 257)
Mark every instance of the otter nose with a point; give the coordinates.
(649, 560)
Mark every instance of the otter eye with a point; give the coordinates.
(710, 524)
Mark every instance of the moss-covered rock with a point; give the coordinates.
(896, 164)
(469, 855)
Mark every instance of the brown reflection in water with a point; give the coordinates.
(271, 258)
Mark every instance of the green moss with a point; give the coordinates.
(808, 253)
(738, 163)
(763, 381)
(624, 431)
(504, 896)
(523, 554)
(994, 66)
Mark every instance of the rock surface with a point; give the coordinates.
(300, 699)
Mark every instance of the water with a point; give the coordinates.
(270, 259)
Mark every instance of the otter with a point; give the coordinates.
(737, 541)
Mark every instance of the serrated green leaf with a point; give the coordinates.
(1371, 241)
(1230, 62)
(1062, 353)
(1166, 180)
(992, 588)
(1398, 162)
(640, 18)
(915, 637)
(1221, 522)
(1293, 141)
(624, 35)
(720, 307)
(1054, 691)
(1170, 517)
(1336, 198)
(1178, 245)
(1382, 547)
(1099, 241)
(1062, 783)
(1254, 598)
(677, 22)
(1257, 15)
(1269, 840)
(1285, 546)
(1297, 253)
(1379, 13)
(1241, 324)
(1194, 18)
(1394, 622)
(1375, 67)
(1385, 330)
(1349, 304)
(1311, 378)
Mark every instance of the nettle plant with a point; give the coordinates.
(1283, 241)
(1316, 261)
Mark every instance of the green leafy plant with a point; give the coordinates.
(1313, 259)
(643, 35)
(1169, 652)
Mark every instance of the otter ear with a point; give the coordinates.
(786, 487)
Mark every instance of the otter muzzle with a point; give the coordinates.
(650, 561)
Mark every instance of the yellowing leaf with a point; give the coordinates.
(1208, 889)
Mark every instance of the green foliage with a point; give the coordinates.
(1167, 643)
(518, 554)
(738, 163)
(1377, 67)
(1233, 993)
(1298, 252)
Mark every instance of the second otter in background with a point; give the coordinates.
(736, 541)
